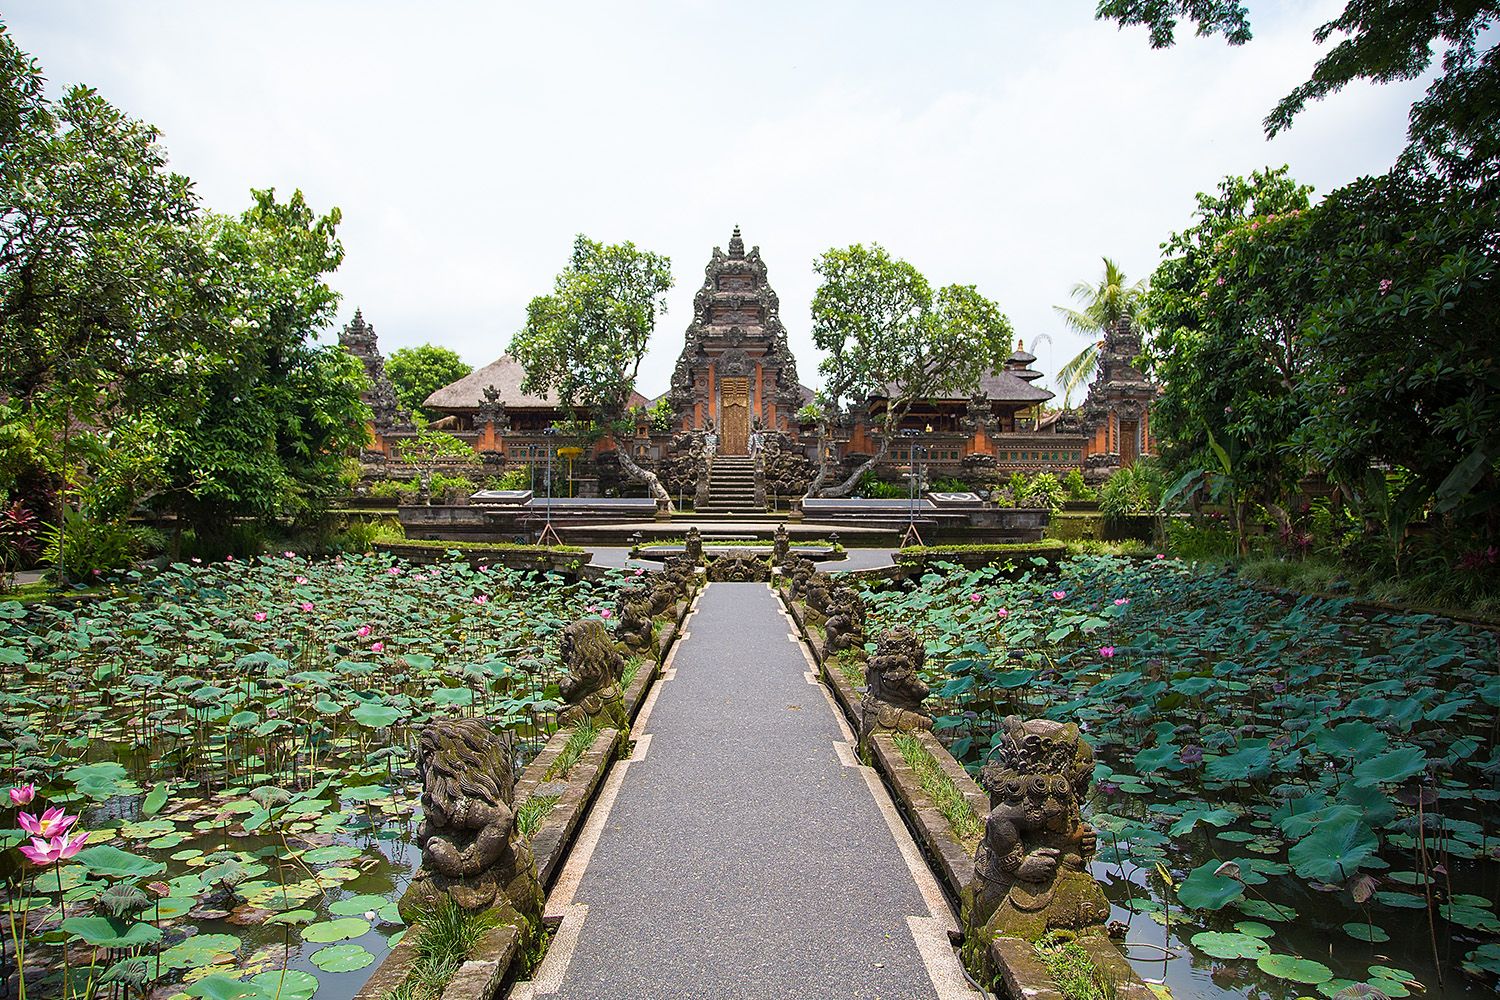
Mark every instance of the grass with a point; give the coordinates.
(848, 664)
(1072, 969)
(967, 826)
(532, 812)
(443, 546)
(444, 939)
(1317, 575)
(579, 740)
(633, 665)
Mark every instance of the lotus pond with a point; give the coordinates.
(236, 742)
(1292, 797)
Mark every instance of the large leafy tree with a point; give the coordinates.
(1108, 304)
(1227, 304)
(1454, 129)
(418, 372)
(888, 334)
(585, 341)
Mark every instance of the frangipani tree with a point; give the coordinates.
(586, 340)
(888, 334)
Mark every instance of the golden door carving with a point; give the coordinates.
(734, 416)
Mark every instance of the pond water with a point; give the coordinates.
(1292, 797)
(236, 741)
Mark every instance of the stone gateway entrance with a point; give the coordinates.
(735, 367)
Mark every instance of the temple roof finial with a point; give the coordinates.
(736, 244)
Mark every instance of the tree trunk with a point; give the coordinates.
(842, 489)
(640, 475)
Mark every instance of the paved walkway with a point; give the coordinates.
(619, 558)
(742, 851)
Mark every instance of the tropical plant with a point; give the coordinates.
(586, 340)
(1113, 303)
(889, 335)
(418, 372)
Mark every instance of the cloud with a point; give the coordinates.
(1007, 146)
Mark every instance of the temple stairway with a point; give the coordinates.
(731, 486)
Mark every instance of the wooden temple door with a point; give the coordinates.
(734, 416)
(1130, 442)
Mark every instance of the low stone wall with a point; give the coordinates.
(1021, 975)
(539, 558)
(915, 559)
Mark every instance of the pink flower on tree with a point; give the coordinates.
(22, 795)
(1385, 285)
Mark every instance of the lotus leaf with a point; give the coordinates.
(341, 958)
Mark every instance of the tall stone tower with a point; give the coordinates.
(358, 338)
(735, 370)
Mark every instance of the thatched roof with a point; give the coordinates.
(505, 374)
(1002, 386)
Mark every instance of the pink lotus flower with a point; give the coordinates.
(1160, 556)
(59, 848)
(639, 571)
(377, 647)
(606, 613)
(22, 795)
(364, 630)
(1002, 612)
(196, 559)
(1120, 602)
(481, 599)
(1058, 595)
(1107, 652)
(301, 579)
(259, 616)
(290, 554)
(975, 598)
(592, 609)
(484, 569)
(306, 605)
(393, 571)
(52, 822)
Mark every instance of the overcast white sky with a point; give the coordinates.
(1006, 144)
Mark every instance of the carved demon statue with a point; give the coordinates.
(893, 686)
(692, 545)
(1031, 867)
(845, 627)
(738, 566)
(471, 851)
(634, 631)
(594, 665)
(781, 545)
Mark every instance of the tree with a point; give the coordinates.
(418, 372)
(1111, 303)
(889, 335)
(1227, 305)
(428, 448)
(1453, 131)
(586, 340)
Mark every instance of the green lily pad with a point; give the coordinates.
(1205, 890)
(341, 958)
(200, 951)
(341, 929)
(356, 905)
(108, 860)
(1293, 969)
(287, 984)
(1219, 944)
(1366, 932)
(292, 917)
(108, 932)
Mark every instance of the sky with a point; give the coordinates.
(1007, 144)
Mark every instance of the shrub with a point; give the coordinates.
(85, 545)
(518, 478)
(442, 484)
(1211, 541)
(20, 540)
(388, 489)
(1043, 491)
(1076, 488)
(809, 414)
(1134, 490)
(358, 536)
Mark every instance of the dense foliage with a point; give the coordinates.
(156, 353)
(418, 372)
(1258, 759)
(889, 335)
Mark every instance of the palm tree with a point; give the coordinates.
(1108, 305)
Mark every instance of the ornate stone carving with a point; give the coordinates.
(845, 627)
(894, 689)
(492, 411)
(1031, 867)
(634, 629)
(682, 574)
(358, 338)
(594, 665)
(781, 545)
(786, 471)
(692, 547)
(800, 571)
(739, 566)
(471, 851)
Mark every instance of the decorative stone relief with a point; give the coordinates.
(739, 566)
(592, 687)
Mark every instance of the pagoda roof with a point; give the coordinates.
(1000, 386)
